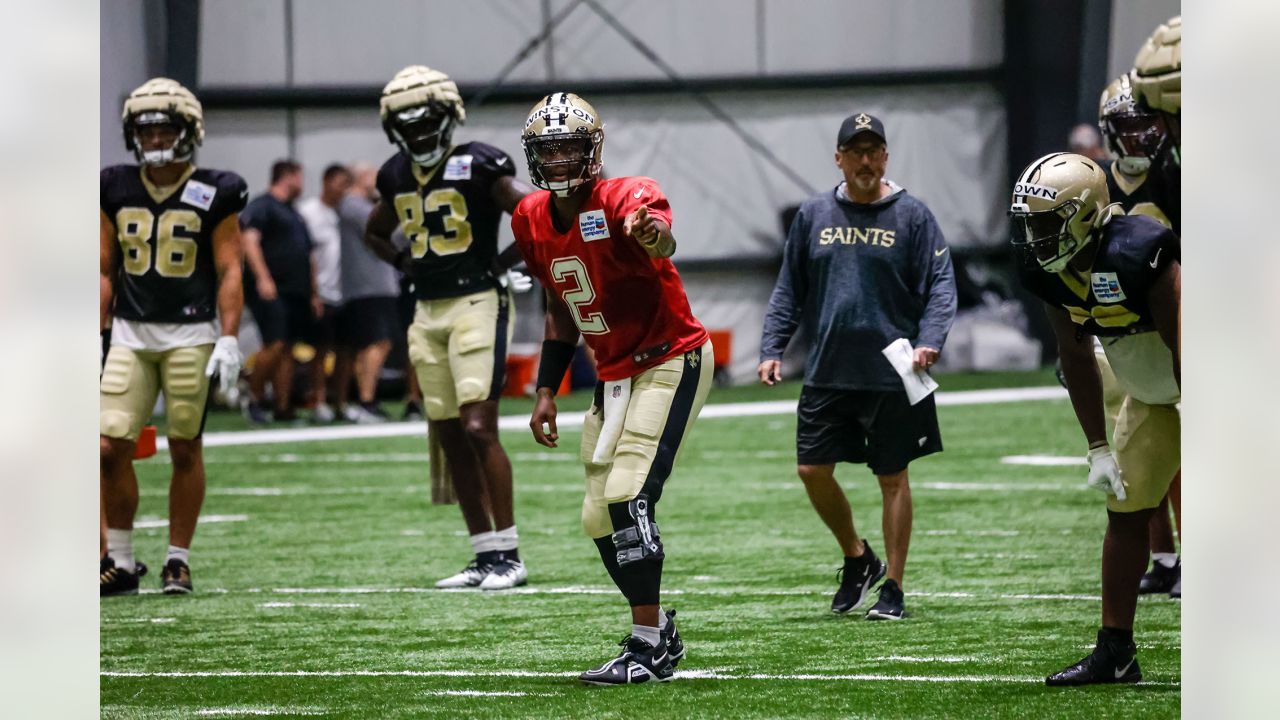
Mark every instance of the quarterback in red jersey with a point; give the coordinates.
(602, 249)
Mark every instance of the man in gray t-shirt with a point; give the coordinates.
(370, 317)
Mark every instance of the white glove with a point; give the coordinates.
(1104, 473)
(225, 362)
(516, 280)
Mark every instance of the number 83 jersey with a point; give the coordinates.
(450, 217)
(167, 273)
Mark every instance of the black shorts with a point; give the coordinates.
(368, 320)
(286, 318)
(324, 330)
(876, 427)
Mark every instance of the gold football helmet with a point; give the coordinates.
(419, 110)
(1133, 133)
(163, 102)
(563, 143)
(1058, 203)
(1157, 70)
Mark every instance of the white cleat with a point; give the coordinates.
(505, 575)
(471, 576)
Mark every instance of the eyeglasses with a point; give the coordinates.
(870, 153)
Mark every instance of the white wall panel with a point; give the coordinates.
(242, 43)
(818, 36)
(245, 141)
(344, 42)
(123, 54)
(1132, 22)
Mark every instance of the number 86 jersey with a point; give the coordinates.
(167, 272)
(630, 308)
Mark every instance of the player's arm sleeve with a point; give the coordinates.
(625, 201)
(233, 195)
(938, 282)
(787, 300)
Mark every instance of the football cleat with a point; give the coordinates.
(504, 575)
(891, 603)
(1160, 579)
(175, 578)
(639, 662)
(1110, 662)
(1176, 591)
(471, 576)
(671, 636)
(857, 577)
(114, 581)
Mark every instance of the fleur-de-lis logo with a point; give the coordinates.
(863, 120)
(693, 358)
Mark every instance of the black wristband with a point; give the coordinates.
(556, 356)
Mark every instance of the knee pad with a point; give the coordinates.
(595, 519)
(184, 419)
(639, 540)
(116, 424)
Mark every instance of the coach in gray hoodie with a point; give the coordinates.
(865, 264)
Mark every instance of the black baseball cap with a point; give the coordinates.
(858, 123)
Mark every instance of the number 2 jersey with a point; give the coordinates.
(450, 217)
(167, 272)
(631, 308)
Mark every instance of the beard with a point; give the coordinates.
(866, 183)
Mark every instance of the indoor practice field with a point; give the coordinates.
(314, 564)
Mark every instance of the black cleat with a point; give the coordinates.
(1176, 591)
(670, 635)
(857, 577)
(1160, 579)
(891, 603)
(639, 662)
(1110, 662)
(114, 581)
(175, 578)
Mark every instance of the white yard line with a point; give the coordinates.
(574, 419)
(258, 711)
(308, 605)
(163, 523)
(708, 674)
(1044, 460)
(486, 693)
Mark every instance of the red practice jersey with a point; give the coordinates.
(630, 308)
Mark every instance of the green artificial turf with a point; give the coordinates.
(314, 563)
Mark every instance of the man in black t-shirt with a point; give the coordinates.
(279, 286)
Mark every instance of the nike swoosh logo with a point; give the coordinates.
(1156, 259)
(939, 252)
(639, 193)
(1120, 672)
(501, 161)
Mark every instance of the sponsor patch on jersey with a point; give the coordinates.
(1106, 287)
(592, 225)
(458, 167)
(198, 194)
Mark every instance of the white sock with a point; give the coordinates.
(649, 634)
(506, 539)
(662, 619)
(1165, 560)
(180, 553)
(484, 542)
(120, 548)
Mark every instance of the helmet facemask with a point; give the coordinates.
(182, 149)
(1138, 138)
(423, 132)
(562, 163)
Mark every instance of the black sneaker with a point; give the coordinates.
(856, 580)
(890, 604)
(639, 662)
(114, 581)
(375, 410)
(256, 414)
(175, 578)
(1160, 579)
(1176, 591)
(413, 412)
(671, 636)
(1110, 662)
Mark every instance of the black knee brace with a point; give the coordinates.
(636, 535)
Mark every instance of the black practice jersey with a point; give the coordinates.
(167, 273)
(449, 215)
(1153, 194)
(1111, 299)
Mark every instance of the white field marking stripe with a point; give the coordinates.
(976, 533)
(305, 490)
(579, 590)
(572, 420)
(1046, 460)
(938, 659)
(486, 693)
(144, 524)
(308, 605)
(709, 674)
(158, 621)
(235, 711)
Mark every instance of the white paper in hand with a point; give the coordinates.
(917, 383)
(617, 394)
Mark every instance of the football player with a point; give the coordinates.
(1105, 274)
(448, 200)
(602, 249)
(1145, 181)
(170, 281)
